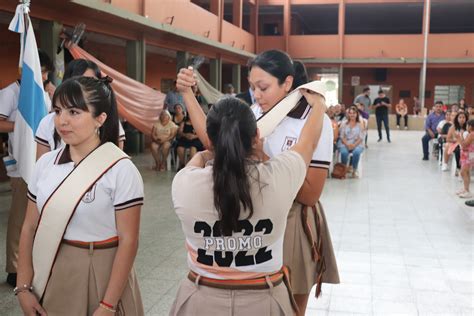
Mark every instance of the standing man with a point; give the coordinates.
(364, 99)
(9, 97)
(381, 106)
(431, 124)
(173, 98)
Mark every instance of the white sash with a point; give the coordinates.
(60, 207)
(270, 120)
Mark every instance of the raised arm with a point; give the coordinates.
(184, 83)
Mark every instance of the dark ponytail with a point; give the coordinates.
(231, 127)
(301, 75)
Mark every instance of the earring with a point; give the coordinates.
(97, 130)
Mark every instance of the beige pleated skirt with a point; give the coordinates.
(307, 267)
(198, 300)
(79, 280)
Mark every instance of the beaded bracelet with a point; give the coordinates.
(24, 288)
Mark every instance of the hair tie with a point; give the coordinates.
(106, 80)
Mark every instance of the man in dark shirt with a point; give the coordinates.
(381, 106)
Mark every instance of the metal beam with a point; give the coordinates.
(143, 21)
(386, 60)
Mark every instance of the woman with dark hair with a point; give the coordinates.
(307, 250)
(187, 140)
(233, 210)
(457, 129)
(46, 137)
(82, 67)
(352, 134)
(80, 234)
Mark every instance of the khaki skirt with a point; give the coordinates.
(307, 252)
(197, 300)
(79, 280)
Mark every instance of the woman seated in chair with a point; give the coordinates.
(179, 114)
(187, 139)
(162, 135)
(352, 134)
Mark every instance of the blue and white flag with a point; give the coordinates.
(31, 105)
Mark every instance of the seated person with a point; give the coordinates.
(187, 139)
(338, 112)
(352, 134)
(335, 126)
(401, 110)
(179, 114)
(365, 119)
(443, 129)
(162, 135)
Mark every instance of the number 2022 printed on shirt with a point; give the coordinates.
(213, 238)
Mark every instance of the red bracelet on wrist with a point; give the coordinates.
(107, 304)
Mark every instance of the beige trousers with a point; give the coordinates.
(15, 222)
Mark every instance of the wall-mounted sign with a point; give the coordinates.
(355, 81)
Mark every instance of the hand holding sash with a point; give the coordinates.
(270, 120)
(186, 79)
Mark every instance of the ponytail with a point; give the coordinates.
(231, 127)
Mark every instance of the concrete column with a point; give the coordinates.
(341, 28)
(136, 63)
(181, 60)
(286, 24)
(426, 31)
(254, 25)
(236, 76)
(136, 60)
(49, 35)
(237, 11)
(341, 82)
(217, 7)
(216, 73)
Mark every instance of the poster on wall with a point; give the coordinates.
(355, 81)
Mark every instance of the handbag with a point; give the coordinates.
(339, 171)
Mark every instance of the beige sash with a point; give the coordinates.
(60, 207)
(270, 120)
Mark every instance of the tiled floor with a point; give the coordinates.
(403, 240)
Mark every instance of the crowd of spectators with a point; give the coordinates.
(450, 131)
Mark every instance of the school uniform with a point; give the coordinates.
(45, 132)
(256, 251)
(308, 250)
(80, 275)
(9, 97)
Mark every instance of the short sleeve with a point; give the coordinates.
(33, 183)
(322, 156)
(128, 186)
(289, 171)
(7, 102)
(121, 132)
(44, 133)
